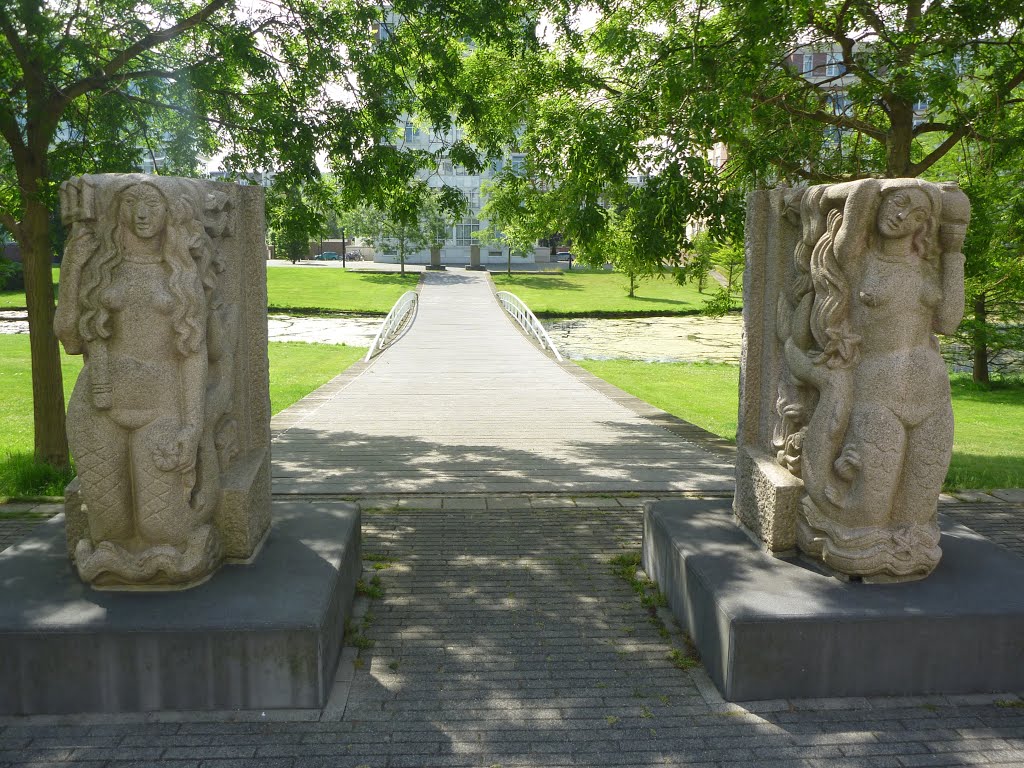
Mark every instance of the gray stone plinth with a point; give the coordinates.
(260, 636)
(474, 259)
(435, 260)
(767, 628)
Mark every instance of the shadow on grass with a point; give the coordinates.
(542, 282)
(388, 278)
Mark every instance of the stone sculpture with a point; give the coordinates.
(855, 409)
(169, 420)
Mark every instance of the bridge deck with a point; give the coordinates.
(464, 403)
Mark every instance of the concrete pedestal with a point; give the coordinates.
(435, 264)
(474, 259)
(768, 628)
(260, 636)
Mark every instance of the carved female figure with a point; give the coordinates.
(133, 303)
(887, 273)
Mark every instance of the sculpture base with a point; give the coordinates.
(476, 268)
(769, 628)
(436, 268)
(261, 636)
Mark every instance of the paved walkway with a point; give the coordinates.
(464, 403)
(498, 633)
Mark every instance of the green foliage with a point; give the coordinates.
(618, 121)
(10, 275)
(372, 589)
(696, 266)
(991, 336)
(712, 259)
(97, 86)
(414, 217)
(297, 212)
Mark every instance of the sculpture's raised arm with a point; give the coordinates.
(956, 214)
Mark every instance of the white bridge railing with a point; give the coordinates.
(529, 322)
(395, 324)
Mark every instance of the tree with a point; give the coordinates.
(415, 220)
(699, 262)
(298, 212)
(992, 176)
(92, 86)
(653, 87)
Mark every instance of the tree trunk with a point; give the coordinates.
(899, 140)
(979, 340)
(51, 440)
(632, 285)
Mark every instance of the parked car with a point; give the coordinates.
(328, 256)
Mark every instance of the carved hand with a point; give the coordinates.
(848, 464)
(178, 455)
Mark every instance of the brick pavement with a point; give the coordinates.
(502, 637)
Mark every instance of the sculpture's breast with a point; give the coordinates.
(143, 355)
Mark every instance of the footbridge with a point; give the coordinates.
(465, 402)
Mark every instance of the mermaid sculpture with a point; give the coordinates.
(139, 300)
(865, 417)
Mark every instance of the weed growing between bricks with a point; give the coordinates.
(627, 567)
(371, 589)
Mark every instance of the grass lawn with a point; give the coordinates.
(308, 288)
(988, 448)
(598, 293)
(16, 299)
(296, 369)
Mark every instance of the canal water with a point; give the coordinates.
(663, 339)
(353, 330)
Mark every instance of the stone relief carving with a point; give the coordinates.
(151, 422)
(863, 408)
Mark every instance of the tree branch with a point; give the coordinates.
(9, 130)
(838, 121)
(916, 169)
(10, 224)
(931, 127)
(147, 43)
(14, 40)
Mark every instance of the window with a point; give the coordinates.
(833, 66)
(840, 104)
(808, 64)
(922, 104)
(518, 163)
(464, 232)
